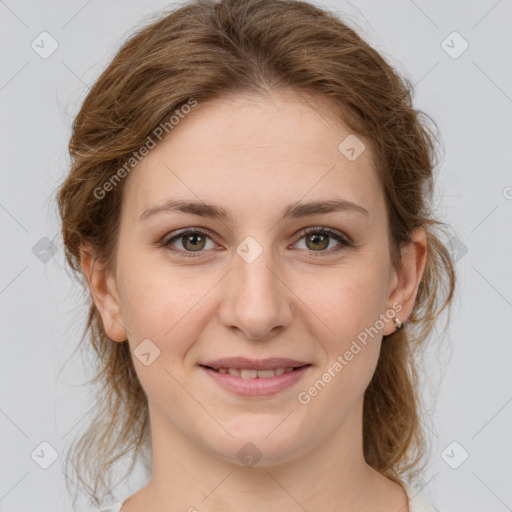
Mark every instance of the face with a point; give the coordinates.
(269, 279)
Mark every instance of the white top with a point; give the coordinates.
(417, 502)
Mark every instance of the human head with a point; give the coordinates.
(209, 51)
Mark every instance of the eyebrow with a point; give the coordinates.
(293, 211)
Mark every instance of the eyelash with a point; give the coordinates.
(344, 241)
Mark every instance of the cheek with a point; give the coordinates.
(172, 321)
(347, 312)
(166, 307)
(349, 299)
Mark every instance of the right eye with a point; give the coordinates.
(192, 240)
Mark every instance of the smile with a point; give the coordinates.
(249, 382)
(247, 373)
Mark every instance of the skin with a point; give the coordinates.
(241, 153)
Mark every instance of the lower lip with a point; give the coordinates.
(256, 387)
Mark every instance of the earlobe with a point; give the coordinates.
(407, 278)
(104, 292)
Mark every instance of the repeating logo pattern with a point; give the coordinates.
(462, 73)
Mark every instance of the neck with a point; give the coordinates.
(190, 477)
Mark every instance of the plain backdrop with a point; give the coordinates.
(457, 53)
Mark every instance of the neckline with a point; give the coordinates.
(414, 496)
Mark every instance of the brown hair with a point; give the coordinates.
(206, 49)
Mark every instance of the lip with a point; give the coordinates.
(255, 364)
(257, 387)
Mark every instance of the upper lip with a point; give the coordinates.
(255, 364)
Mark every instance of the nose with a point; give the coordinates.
(256, 299)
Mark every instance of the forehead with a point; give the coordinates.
(252, 150)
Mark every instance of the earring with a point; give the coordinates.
(398, 323)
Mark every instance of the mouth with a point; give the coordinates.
(250, 373)
(255, 382)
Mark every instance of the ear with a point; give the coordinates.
(104, 291)
(405, 281)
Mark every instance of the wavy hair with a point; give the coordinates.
(206, 49)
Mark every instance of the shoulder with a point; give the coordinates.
(113, 508)
(417, 501)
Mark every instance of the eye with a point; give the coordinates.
(192, 240)
(317, 239)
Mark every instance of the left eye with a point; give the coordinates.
(194, 240)
(319, 239)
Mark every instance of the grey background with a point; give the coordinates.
(470, 97)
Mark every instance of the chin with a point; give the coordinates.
(267, 442)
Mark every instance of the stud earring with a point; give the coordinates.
(398, 324)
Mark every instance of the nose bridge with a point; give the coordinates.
(256, 301)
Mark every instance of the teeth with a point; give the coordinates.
(246, 373)
(264, 374)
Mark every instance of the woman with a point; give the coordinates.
(249, 206)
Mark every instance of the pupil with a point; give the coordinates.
(194, 243)
(315, 237)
